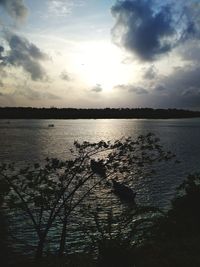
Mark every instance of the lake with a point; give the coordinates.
(31, 141)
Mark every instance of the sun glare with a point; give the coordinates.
(100, 63)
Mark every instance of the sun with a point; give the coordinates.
(101, 63)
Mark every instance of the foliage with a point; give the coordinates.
(175, 237)
(185, 207)
(49, 193)
(4, 189)
(116, 236)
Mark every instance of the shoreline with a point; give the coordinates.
(107, 113)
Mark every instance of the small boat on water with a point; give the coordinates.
(51, 125)
(123, 191)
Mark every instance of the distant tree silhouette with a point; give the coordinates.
(107, 113)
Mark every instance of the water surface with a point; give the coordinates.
(28, 141)
(32, 141)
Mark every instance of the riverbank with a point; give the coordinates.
(107, 113)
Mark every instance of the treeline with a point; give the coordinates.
(107, 113)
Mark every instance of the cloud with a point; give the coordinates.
(138, 90)
(150, 73)
(62, 8)
(7, 100)
(190, 51)
(24, 93)
(178, 89)
(192, 92)
(1, 52)
(59, 8)
(160, 88)
(34, 95)
(97, 88)
(132, 89)
(183, 78)
(141, 30)
(189, 21)
(181, 88)
(65, 76)
(15, 8)
(150, 30)
(24, 54)
(3, 73)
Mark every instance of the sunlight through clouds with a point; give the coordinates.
(100, 63)
(94, 47)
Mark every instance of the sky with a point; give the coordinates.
(98, 54)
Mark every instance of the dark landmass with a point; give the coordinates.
(107, 113)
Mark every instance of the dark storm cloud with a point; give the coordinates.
(97, 88)
(181, 88)
(191, 92)
(142, 30)
(183, 78)
(1, 49)
(24, 54)
(149, 30)
(15, 8)
(189, 21)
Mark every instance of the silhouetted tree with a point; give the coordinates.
(185, 211)
(50, 193)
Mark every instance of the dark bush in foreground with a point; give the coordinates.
(48, 194)
(170, 240)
